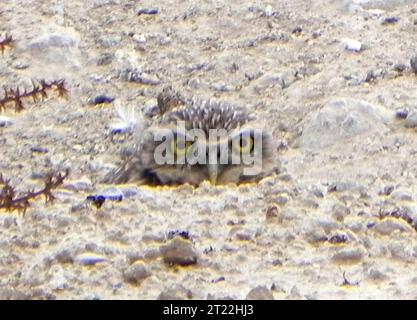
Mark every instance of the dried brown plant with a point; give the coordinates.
(38, 91)
(7, 42)
(11, 200)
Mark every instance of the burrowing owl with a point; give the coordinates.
(179, 117)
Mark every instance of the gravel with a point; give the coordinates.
(342, 200)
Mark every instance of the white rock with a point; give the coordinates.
(352, 45)
(269, 11)
(5, 122)
(139, 38)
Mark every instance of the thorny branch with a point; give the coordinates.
(11, 200)
(7, 42)
(39, 90)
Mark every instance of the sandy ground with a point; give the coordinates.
(336, 223)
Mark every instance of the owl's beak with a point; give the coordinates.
(213, 171)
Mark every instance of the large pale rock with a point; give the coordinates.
(376, 4)
(339, 120)
(58, 46)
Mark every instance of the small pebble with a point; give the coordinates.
(219, 279)
(105, 59)
(20, 65)
(129, 192)
(316, 34)
(77, 207)
(272, 213)
(110, 41)
(139, 38)
(177, 292)
(377, 275)
(277, 263)
(402, 195)
(79, 185)
(343, 186)
(389, 226)
(145, 79)
(136, 273)
(338, 238)
(148, 11)
(390, 20)
(282, 199)
(8, 222)
(352, 45)
(285, 177)
(413, 63)
(5, 122)
(370, 76)
(317, 192)
(315, 235)
(400, 67)
(243, 234)
(297, 30)
(101, 99)
(348, 256)
(64, 256)
(182, 234)
(386, 191)
(269, 11)
(108, 197)
(151, 253)
(339, 212)
(38, 149)
(179, 251)
(120, 128)
(110, 194)
(90, 259)
(411, 118)
(402, 113)
(260, 293)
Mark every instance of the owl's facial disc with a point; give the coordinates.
(234, 156)
(179, 146)
(213, 172)
(243, 143)
(241, 151)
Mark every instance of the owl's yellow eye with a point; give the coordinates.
(244, 144)
(180, 147)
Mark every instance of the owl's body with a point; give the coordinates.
(205, 116)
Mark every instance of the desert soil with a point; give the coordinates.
(337, 222)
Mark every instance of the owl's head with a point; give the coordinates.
(205, 141)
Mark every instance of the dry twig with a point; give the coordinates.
(7, 42)
(11, 200)
(39, 90)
